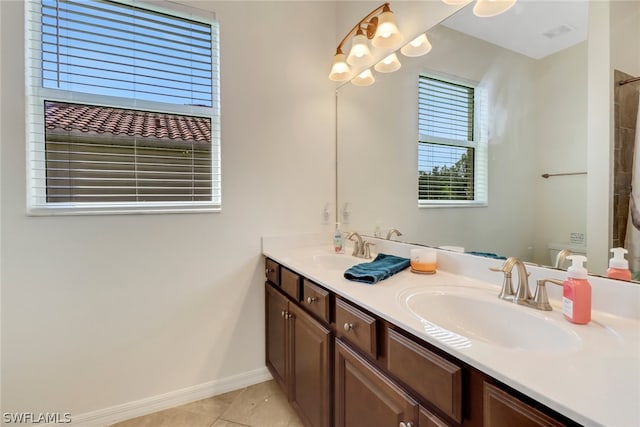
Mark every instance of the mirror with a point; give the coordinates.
(536, 86)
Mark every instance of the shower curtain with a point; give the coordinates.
(632, 242)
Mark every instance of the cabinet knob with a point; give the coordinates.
(311, 300)
(284, 313)
(268, 270)
(403, 424)
(289, 315)
(348, 326)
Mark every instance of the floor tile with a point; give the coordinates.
(169, 418)
(262, 405)
(213, 406)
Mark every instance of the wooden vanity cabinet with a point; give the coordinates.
(365, 397)
(343, 366)
(502, 409)
(298, 355)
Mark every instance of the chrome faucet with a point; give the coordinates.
(392, 232)
(361, 249)
(522, 295)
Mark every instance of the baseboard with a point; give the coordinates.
(137, 408)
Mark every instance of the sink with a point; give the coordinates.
(337, 261)
(460, 316)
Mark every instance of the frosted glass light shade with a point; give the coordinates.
(454, 2)
(340, 70)
(489, 8)
(387, 33)
(359, 53)
(365, 78)
(417, 47)
(388, 64)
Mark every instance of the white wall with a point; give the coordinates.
(102, 310)
(560, 117)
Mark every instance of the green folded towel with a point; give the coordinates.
(486, 255)
(379, 269)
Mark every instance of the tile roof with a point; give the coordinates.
(79, 118)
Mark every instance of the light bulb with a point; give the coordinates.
(340, 70)
(365, 78)
(388, 64)
(387, 33)
(360, 53)
(489, 8)
(417, 47)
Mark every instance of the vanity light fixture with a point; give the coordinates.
(388, 64)
(380, 27)
(486, 8)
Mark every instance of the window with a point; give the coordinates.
(123, 108)
(452, 157)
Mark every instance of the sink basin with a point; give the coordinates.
(337, 261)
(460, 316)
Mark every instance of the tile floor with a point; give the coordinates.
(260, 405)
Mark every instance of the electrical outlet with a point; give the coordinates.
(576, 238)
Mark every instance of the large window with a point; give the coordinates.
(123, 108)
(451, 147)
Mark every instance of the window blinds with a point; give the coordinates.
(124, 107)
(447, 148)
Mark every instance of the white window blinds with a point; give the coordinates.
(451, 159)
(123, 108)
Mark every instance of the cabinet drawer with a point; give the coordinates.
(272, 271)
(356, 327)
(290, 283)
(427, 419)
(434, 378)
(315, 299)
(502, 409)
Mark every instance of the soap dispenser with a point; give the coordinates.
(618, 265)
(576, 292)
(338, 241)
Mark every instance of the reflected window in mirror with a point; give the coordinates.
(452, 148)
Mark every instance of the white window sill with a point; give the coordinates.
(451, 204)
(124, 209)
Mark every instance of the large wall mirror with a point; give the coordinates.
(531, 62)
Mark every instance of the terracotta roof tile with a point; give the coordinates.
(118, 121)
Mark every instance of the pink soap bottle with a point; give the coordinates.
(618, 266)
(576, 292)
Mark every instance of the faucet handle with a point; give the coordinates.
(506, 292)
(540, 297)
(367, 249)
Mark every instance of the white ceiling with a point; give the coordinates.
(522, 28)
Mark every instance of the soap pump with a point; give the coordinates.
(576, 292)
(618, 265)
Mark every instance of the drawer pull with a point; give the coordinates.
(403, 424)
(311, 300)
(348, 326)
(284, 313)
(269, 270)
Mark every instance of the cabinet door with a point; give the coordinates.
(310, 368)
(365, 397)
(277, 341)
(502, 409)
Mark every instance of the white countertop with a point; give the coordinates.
(596, 383)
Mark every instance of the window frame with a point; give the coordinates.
(479, 143)
(36, 95)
